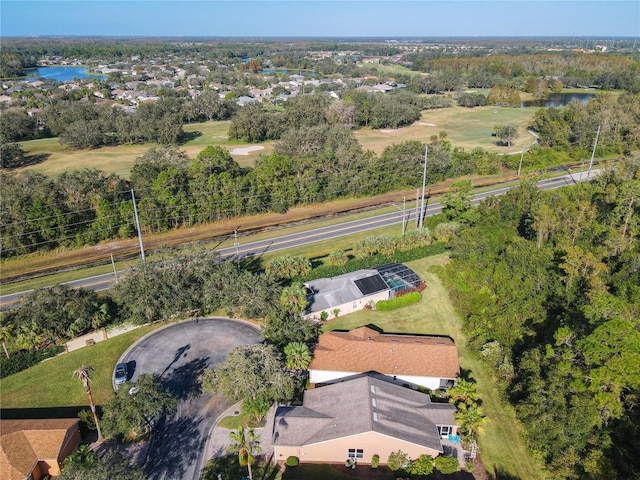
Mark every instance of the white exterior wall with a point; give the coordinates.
(350, 307)
(329, 376)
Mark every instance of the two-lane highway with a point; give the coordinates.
(283, 242)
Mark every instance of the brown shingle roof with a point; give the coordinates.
(366, 350)
(24, 442)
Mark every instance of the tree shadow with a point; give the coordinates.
(28, 160)
(188, 136)
(183, 381)
(175, 447)
(500, 475)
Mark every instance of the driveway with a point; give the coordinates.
(179, 354)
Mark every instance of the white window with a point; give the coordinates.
(355, 453)
(444, 430)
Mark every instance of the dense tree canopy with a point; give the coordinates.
(548, 286)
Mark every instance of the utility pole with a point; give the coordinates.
(417, 206)
(235, 243)
(595, 144)
(424, 181)
(521, 156)
(404, 207)
(115, 273)
(135, 212)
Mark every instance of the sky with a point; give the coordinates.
(312, 18)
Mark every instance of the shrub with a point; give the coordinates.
(292, 461)
(338, 258)
(398, 302)
(447, 465)
(423, 465)
(397, 460)
(25, 359)
(375, 461)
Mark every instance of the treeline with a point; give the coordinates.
(84, 124)
(549, 288)
(310, 165)
(605, 71)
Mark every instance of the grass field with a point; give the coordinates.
(120, 159)
(467, 128)
(501, 445)
(51, 384)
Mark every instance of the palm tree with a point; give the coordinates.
(84, 375)
(6, 332)
(298, 356)
(464, 392)
(245, 445)
(471, 419)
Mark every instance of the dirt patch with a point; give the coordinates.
(425, 124)
(390, 130)
(246, 150)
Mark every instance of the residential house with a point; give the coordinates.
(412, 360)
(344, 294)
(360, 418)
(356, 290)
(33, 449)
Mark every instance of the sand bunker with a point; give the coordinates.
(390, 130)
(425, 124)
(246, 150)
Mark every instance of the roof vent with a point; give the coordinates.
(373, 402)
(373, 389)
(375, 416)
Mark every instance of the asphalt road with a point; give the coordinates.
(105, 281)
(179, 354)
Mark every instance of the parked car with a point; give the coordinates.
(121, 373)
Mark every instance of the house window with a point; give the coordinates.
(445, 430)
(355, 453)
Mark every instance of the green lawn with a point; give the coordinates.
(119, 159)
(466, 127)
(501, 445)
(51, 383)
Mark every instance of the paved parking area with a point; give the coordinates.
(179, 353)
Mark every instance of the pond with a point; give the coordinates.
(61, 74)
(559, 99)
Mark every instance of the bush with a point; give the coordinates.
(421, 466)
(292, 461)
(398, 302)
(25, 359)
(447, 465)
(375, 461)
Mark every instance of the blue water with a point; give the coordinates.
(61, 74)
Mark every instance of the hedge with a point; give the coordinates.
(292, 461)
(398, 302)
(24, 359)
(328, 271)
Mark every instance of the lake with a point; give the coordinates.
(559, 99)
(61, 74)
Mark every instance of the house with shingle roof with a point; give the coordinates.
(33, 449)
(413, 360)
(360, 418)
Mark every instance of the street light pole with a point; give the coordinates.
(424, 182)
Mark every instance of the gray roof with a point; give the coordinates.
(362, 405)
(334, 291)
